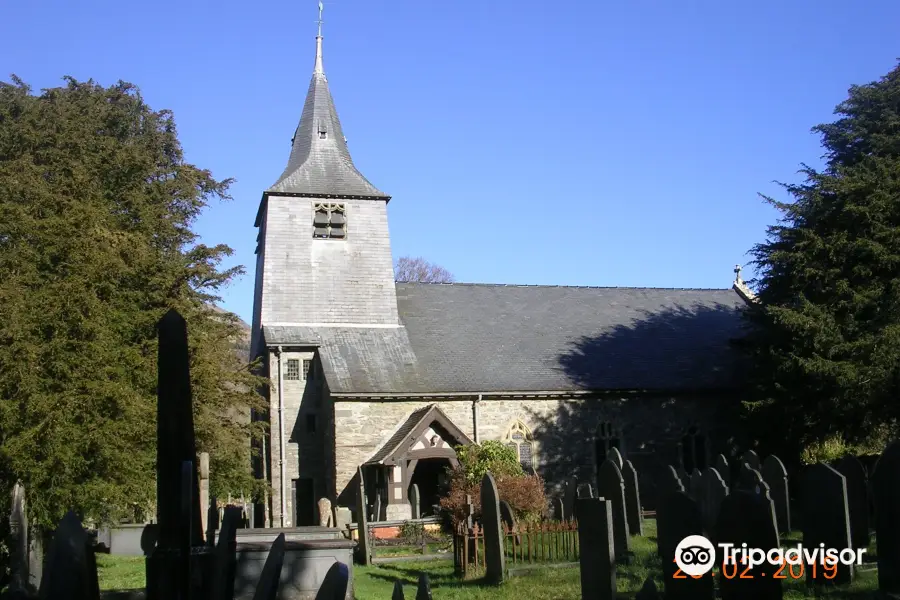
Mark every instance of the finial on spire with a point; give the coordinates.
(319, 69)
(737, 273)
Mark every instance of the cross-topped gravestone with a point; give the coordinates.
(633, 499)
(775, 475)
(414, 502)
(494, 556)
(364, 549)
(886, 490)
(611, 487)
(615, 456)
(825, 518)
(597, 549)
(857, 499)
(746, 518)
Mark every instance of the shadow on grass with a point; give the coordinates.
(437, 578)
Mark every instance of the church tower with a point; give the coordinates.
(323, 252)
(323, 264)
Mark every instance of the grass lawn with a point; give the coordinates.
(540, 583)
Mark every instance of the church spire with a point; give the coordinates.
(320, 163)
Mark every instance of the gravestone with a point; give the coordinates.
(343, 516)
(669, 482)
(585, 490)
(695, 486)
(423, 591)
(746, 518)
(414, 502)
(886, 491)
(714, 492)
(633, 499)
(398, 591)
(597, 549)
(508, 518)
(326, 514)
(775, 475)
(751, 458)
(72, 562)
(825, 517)
(494, 555)
(18, 551)
(334, 586)
(857, 499)
(615, 456)
(611, 487)
(748, 478)
(683, 477)
(762, 489)
(721, 465)
(677, 517)
(569, 496)
(364, 550)
(376, 510)
(648, 591)
(559, 510)
(204, 495)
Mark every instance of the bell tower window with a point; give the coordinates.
(329, 222)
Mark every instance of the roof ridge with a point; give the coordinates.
(545, 285)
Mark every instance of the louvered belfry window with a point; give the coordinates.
(330, 222)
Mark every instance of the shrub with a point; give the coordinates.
(524, 493)
(836, 447)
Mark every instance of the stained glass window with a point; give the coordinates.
(519, 439)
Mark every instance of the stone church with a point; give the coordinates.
(391, 377)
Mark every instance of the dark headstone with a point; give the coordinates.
(748, 478)
(684, 478)
(414, 501)
(615, 456)
(494, 556)
(423, 592)
(669, 482)
(695, 485)
(611, 487)
(721, 465)
(334, 586)
(648, 591)
(886, 491)
(751, 458)
(677, 517)
(714, 492)
(585, 490)
(18, 549)
(825, 516)
(857, 499)
(569, 496)
(597, 549)
(398, 591)
(774, 474)
(633, 499)
(363, 548)
(746, 518)
(226, 554)
(508, 518)
(69, 563)
(559, 510)
(267, 586)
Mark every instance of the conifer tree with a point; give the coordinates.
(96, 208)
(826, 341)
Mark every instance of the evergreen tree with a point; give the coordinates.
(96, 208)
(826, 337)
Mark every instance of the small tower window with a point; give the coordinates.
(306, 364)
(323, 130)
(329, 222)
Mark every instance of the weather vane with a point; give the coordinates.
(321, 7)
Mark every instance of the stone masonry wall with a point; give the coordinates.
(564, 431)
(327, 281)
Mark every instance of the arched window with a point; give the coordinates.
(608, 437)
(693, 450)
(519, 439)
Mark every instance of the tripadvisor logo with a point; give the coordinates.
(695, 555)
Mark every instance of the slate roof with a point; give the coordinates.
(322, 167)
(504, 338)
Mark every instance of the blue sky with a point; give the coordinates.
(571, 143)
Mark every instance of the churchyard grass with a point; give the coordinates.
(121, 572)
